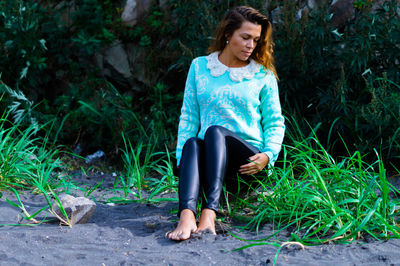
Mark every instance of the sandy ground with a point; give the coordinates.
(134, 234)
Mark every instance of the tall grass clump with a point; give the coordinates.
(24, 160)
(319, 198)
(26, 164)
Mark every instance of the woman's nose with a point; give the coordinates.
(250, 44)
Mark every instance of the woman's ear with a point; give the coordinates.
(228, 39)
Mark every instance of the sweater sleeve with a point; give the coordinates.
(272, 120)
(189, 120)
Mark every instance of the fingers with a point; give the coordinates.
(258, 162)
(250, 168)
(248, 171)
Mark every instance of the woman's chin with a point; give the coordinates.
(244, 58)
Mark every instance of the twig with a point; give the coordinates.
(291, 243)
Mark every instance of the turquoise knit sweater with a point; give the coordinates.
(244, 100)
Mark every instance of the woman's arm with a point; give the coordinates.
(189, 121)
(272, 120)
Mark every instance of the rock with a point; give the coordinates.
(163, 4)
(120, 65)
(315, 3)
(79, 210)
(275, 16)
(302, 12)
(124, 64)
(137, 61)
(333, 2)
(95, 157)
(311, 4)
(342, 10)
(78, 149)
(116, 57)
(134, 10)
(129, 15)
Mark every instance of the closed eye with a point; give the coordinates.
(248, 37)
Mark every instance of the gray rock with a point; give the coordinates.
(333, 2)
(78, 149)
(124, 64)
(79, 210)
(95, 157)
(342, 10)
(163, 4)
(116, 57)
(134, 10)
(316, 3)
(276, 15)
(311, 4)
(137, 61)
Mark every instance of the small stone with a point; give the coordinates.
(79, 210)
(95, 157)
(78, 149)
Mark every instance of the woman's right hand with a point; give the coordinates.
(258, 162)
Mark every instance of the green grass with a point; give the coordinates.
(144, 170)
(316, 197)
(319, 199)
(24, 161)
(27, 164)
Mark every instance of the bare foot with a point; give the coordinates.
(207, 221)
(186, 226)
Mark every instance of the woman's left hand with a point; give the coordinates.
(258, 162)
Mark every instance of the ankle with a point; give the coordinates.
(187, 214)
(210, 213)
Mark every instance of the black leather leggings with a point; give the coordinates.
(206, 163)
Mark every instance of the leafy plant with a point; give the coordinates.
(23, 158)
(23, 46)
(320, 199)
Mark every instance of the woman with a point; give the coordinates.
(231, 121)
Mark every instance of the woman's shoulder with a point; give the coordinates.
(200, 59)
(266, 74)
(198, 63)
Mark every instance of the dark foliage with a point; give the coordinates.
(342, 81)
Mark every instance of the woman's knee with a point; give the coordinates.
(214, 131)
(192, 145)
(193, 142)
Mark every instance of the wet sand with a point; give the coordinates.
(134, 234)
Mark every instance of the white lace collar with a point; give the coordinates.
(237, 74)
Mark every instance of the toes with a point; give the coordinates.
(178, 236)
(173, 236)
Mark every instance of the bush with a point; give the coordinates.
(327, 76)
(46, 53)
(342, 80)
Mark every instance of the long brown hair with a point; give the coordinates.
(263, 52)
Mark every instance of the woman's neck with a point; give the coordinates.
(229, 60)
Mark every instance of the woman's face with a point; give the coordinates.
(244, 40)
